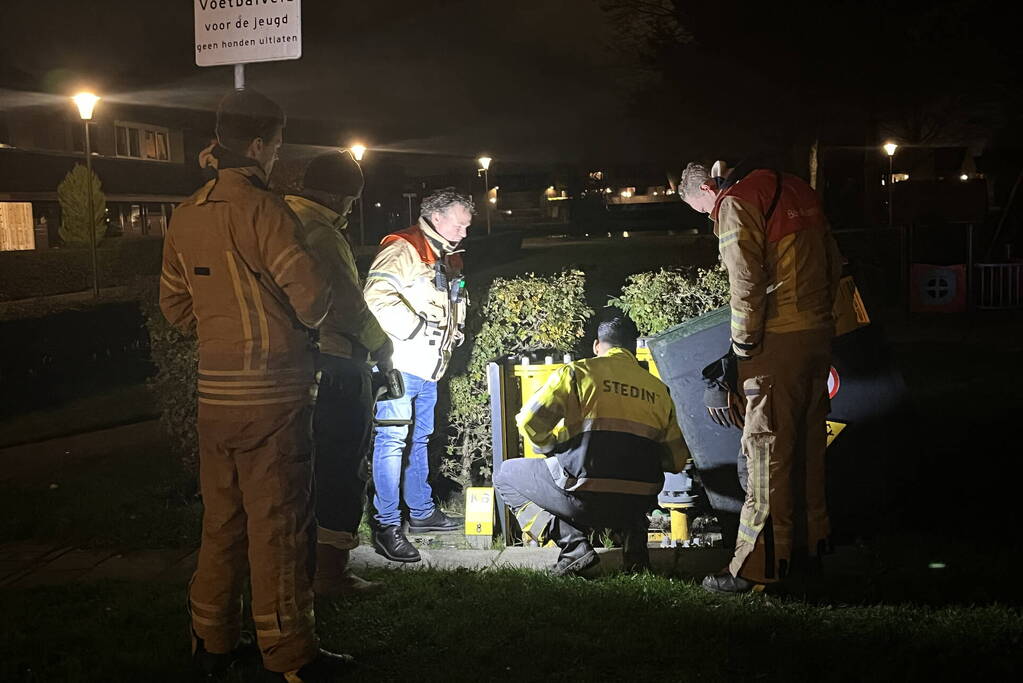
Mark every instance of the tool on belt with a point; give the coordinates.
(388, 386)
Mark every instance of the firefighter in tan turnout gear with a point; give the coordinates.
(237, 275)
(415, 289)
(783, 271)
(610, 430)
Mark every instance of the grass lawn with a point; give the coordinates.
(134, 495)
(117, 405)
(517, 625)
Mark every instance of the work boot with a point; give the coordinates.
(326, 668)
(731, 585)
(635, 550)
(211, 666)
(390, 542)
(334, 578)
(437, 521)
(570, 565)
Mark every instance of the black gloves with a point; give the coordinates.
(721, 396)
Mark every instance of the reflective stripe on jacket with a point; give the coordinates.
(408, 289)
(349, 321)
(236, 272)
(783, 275)
(609, 424)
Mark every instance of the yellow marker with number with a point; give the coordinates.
(479, 511)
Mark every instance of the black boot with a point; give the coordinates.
(211, 666)
(732, 585)
(577, 555)
(437, 521)
(635, 551)
(326, 668)
(570, 565)
(390, 542)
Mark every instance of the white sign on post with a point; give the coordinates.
(245, 31)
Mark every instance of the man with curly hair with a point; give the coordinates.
(416, 291)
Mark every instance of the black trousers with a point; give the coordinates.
(523, 480)
(342, 423)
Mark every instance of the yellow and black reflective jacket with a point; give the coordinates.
(608, 424)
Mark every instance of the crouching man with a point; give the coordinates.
(609, 429)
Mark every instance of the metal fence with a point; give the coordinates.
(999, 286)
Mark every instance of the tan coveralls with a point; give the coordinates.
(783, 278)
(236, 272)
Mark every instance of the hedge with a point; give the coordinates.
(660, 299)
(25, 274)
(518, 315)
(176, 357)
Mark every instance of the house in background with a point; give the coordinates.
(145, 158)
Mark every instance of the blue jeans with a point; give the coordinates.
(418, 404)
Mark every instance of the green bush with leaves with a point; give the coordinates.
(660, 299)
(518, 315)
(176, 357)
(73, 194)
(44, 272)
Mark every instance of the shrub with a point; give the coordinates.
(45, 272)
(176, 357)
(657, 300)
(75, 222)
(518, 315)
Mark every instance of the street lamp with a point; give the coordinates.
(86, 102)
(485, 166)
(889, 149)
(358, 151)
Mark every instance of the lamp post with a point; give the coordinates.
(86, 102)
(889, 149)
(485, 167)
(358, 151)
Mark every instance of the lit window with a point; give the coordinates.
(141, 141)
(900, 177)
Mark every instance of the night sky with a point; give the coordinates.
(563, 80)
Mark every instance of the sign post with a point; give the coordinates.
(239, 32)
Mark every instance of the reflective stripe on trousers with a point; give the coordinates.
(784, 443)
(255, 472)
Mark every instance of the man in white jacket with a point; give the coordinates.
(416, 291)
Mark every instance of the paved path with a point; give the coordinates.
(23, 565)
